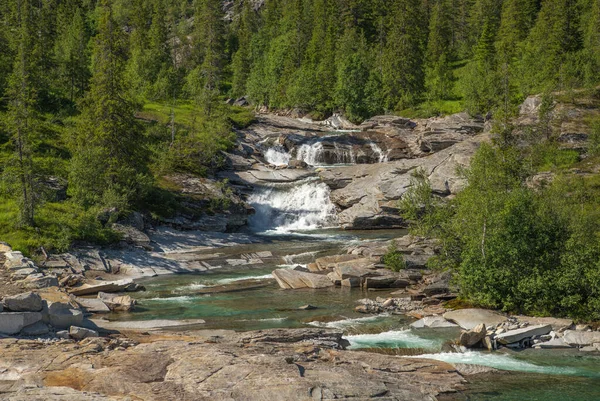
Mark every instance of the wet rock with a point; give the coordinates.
(469, 318)
(352, 282)
(555, 343)
(25, 302)
(79, 333)
(14, 322)
(514, 336)
(472, 337)
(308, 307)
(293, 279)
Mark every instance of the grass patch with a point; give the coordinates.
(58, 225)
(433, 108)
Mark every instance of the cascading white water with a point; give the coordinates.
(277, 156)
(310, 154)
(305, 206)
(383, 156)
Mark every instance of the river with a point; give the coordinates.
(296, 223)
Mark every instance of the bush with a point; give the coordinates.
(393, 259)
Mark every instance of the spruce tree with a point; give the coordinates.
(204, 81)
(439, 76)
(518, 17)
(403, 55)
(71, 53)
(554, 36)
(242, 59)
(108, 165)
(592, 45)
(23, 117)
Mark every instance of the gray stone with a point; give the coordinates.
(25, 302)
(472, 337)
(293, 279)
(118, 303)
(581, 338)
(39, 281)
(14, 322)
(16, 261)
(64, 334)
(108, 286)
(143, 324)
(433, 322)
(514, 336)
(469, 318)
(79, 333)
(352, 282)
(36, 329)
(63, 316)
(557, 343)
(23, 273)
(92, 305)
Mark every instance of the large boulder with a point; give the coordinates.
(25, 302)
(581, 338)
(472, 337)
(79, 333)
(117, 303)
(16, 261)
(102, 286)
(62, 315)
(14, 322)
(515, 336)
(293, 279)
(433, 322)
(92, 305)
(329, 262)
(469, 318)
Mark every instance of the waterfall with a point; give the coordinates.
(310, 154)
(277, 156)
(303, 206)
(383, 156)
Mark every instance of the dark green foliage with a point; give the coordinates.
(393, 259)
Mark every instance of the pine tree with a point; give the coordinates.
(23, 118)
(108, 165)
(242, 59)
(204, 80)
(518, 17)
(480, 83)
(555, 34)
(403, 55)
(439, 76)
(71, 53)
(592, 45)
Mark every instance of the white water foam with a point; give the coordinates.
(305, 206)
(497, 361)
(341, 324)
(383, 156)
(277, 156)
(310, 154)
(182, 299)
(271, 319)
(391, 339)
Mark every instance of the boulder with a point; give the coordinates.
(117, 303)
(335, 278)
(14, 322)
(23, 273)
(385, 282)
(470, 338)
(79, 333)
(433, 322)
(555, 343)
(515, 336)
(64, 334)
(293, 279)
(39, 281)
(329, 262)
(469, 318)
(108, 286)
(352, 282)
(36, 329)
(92, 305)
(25, 302)
(62, 316)
(581, 338)
(16, 261)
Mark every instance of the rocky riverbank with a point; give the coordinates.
(308, 364)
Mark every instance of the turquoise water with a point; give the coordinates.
(248, 298)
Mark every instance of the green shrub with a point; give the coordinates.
(393, 259)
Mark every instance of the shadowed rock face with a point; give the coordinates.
(270, 365)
